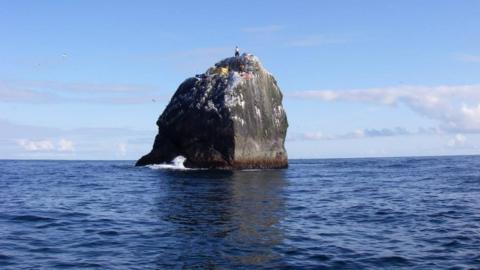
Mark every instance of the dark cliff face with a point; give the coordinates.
(229, 117)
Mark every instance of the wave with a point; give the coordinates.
(175, 164)
(31, 218)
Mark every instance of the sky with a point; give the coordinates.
(88, 79)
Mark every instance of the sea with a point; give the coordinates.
(367, 213)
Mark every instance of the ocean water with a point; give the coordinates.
(385, 213)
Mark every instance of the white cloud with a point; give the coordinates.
(457, 140)
(65, 145)
(41, 145)
(262, 29)
(122, 149)
(457, 108)
(83, 143)
(315, 40)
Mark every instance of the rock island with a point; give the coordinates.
(230, 117)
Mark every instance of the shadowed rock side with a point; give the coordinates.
(230, 117)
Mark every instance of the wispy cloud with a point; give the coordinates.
(262, 29)
(62, 92)
(75, 87)
(10, 92)
(12, 131)
(457, 108)
(470, 58)
(360, 134)
(315, 40)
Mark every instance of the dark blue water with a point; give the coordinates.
(396, 213)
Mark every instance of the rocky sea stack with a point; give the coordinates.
(230, 117)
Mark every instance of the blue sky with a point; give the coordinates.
(88, 79)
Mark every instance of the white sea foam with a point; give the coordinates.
(175, 164)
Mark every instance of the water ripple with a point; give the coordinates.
(394, 213)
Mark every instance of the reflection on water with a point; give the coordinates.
(222, 218)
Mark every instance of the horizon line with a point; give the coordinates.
(323, 158)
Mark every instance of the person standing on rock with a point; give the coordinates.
(237, 51)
